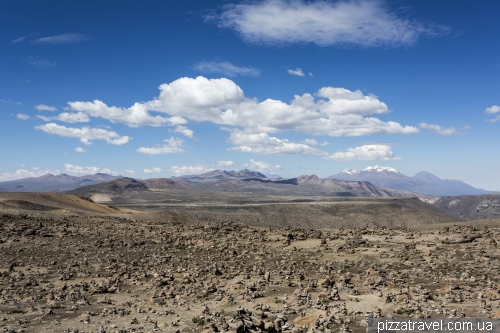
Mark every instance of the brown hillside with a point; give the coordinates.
(49, 202)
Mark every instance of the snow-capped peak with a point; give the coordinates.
(350, 171)
(379, 168)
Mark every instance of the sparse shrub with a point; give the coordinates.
(199, 321)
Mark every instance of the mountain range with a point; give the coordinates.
(218, 175)
(248, 181)
(372, 181)
(242, 182)
(53, 183)
(422, 183)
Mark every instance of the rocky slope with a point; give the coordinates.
(108, 273)
(471, 207)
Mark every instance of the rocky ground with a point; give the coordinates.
(113, 274)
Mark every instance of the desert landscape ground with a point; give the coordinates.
(299, 264)
(248, 166)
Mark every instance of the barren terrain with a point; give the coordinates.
(74, 268)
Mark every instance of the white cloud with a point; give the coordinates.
(226, 68)
(22, 116)
(365, 152)
(154, 170)
(129, 171)
(134, 116)
(261, 166)
(262, 143)
(36, 62)
(192, 169)
(438, 129)
(296, 72)
(330, 111)
(86, 170)
(172, 146)
(324, 23)
(80, 150)
(43, 107)
(493, 111)
(334, 112)
(18, 40)
(225, 163)
(63, 39)
(78, 117)
(314, 143)
(85, 134)
(24, 173)
(184, 131)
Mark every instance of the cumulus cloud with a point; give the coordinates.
(262, 143)
(493, 110)
(68, 117)
(85, 170)
(330, 111)
(314, 143)
(63, 39)
(367, 23)
(365, 152)
(184, 131)
(296, 72)
(135, 116)
(261, 166)
(22, 116)
(226, 68)
(85, 134)
(225, 163)
(191, 169)
(43, 107)
(171, 146)
(438, 129)
(154, 170)
(129, 171)
(80, 150)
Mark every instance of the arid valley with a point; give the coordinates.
(249, 166)
(236, 262)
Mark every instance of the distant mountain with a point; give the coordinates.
(218, 175)
(115, 187)
(343, 188)
(422, 183)
(272, 175)
(53, 183)
(164, 183)
(247, 181)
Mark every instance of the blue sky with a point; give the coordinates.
(157, 89)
